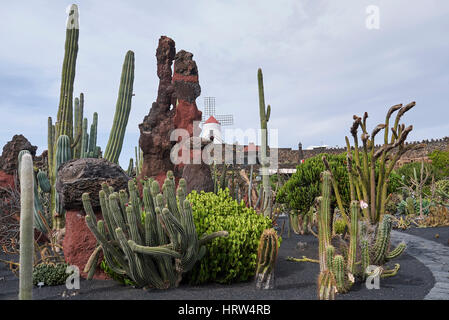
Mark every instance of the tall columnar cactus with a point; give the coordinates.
(266, 259)
(324, 218)
(79, 115)
(63, 154)
(122, 110)
(264, 118)
(151, 239)
(366, 184)
(354, 230)
(84, 140)
(64, 124)
(26, 227)
(340, 269)
(93, 134)
(40, 219)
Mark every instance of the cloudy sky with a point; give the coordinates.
(321, 64)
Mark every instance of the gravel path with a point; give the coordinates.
(433, 255)
(294, 281)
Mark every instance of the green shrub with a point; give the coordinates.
(440, 163)
(405, 172)
(50, 274)
(233, 258)
(339, 226)
(300, 191)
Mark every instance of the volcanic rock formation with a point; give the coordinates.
(8, 159)
(174, 108)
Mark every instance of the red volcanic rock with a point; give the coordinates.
(6, 180)
(79, 242)
(8, 159)
(157, 125)
(179, 92)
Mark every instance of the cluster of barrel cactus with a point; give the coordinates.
(152, 239)
(266, 259)
(340, 268)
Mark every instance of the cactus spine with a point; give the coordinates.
(122, 110)
(26, 227)
(266, 259)
(148, 239)
(264, 118)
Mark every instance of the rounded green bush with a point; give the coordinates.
(50, 274)
(300, 191)
(233, 258)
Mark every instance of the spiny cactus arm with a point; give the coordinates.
(84, 139)
(88, 206)
(266, 257)
(160, 251)
(44, 182)
(170, 198)
(129, 172)
(122, 110)
(26, 227)
(339, 270)
(396, 252)
(330, 253)
(65, 111)
(336, 191)
(134, 263)
(79, 115)
(390, 273)
(209, 237)
(181, 196)
(91, 264)
(50, 147)
(133, 226)
(93, 133)
(117, 215)
(123, 200)
(327, 285)
(178, 236)
(382, 240)
(151, 228)
(303, 259)
(106, 245)
(107, 215)
(354, 227)
(401, 112)
(108, 255)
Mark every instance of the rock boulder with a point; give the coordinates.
(78, 176)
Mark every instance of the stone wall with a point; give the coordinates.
(290, 158)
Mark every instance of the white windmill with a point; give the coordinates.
(212, 123)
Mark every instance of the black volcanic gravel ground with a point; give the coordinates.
(438, 234)
(294, 281)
